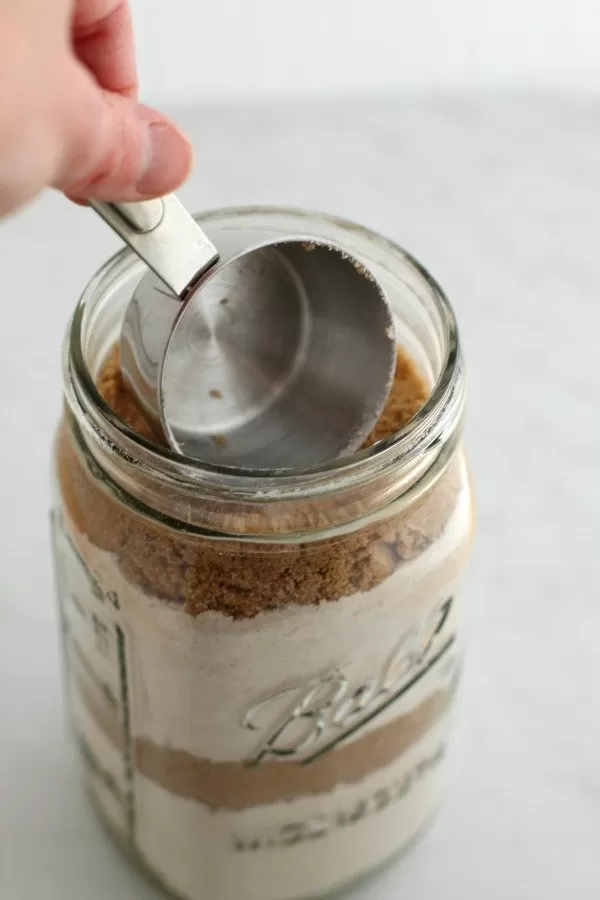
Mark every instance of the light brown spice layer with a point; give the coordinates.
(234, 785)
(231, 785)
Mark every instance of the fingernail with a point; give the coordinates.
(169, 160)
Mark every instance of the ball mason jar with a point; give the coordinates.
(261, 668)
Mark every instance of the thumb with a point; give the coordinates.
(116, 149)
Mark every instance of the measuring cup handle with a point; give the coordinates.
(164, 234)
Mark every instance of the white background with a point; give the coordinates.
(498, 194)
(199, 50)
(500, 201)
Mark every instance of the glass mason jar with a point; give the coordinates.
(261, 667)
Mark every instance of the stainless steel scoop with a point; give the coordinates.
(266, 354)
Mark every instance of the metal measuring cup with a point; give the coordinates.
(266, 354)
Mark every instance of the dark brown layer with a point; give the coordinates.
(232, 577)
(235, 578)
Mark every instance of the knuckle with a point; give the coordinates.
(115, 157)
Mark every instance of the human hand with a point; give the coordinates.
(69, 115)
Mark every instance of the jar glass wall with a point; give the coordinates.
(261, 667)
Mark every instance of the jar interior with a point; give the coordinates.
(420, 329)
(393, 470)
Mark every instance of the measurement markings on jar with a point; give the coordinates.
(383, 706)
(96, 672)
(329, 708)
(60, 582)
(323, 823)
(130, 800)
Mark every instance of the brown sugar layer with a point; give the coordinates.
(407, 395)
(115, 392)
(238, 579)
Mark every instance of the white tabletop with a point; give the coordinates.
(500, 198)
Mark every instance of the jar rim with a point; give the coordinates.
(431, 425)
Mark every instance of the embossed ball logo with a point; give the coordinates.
(306, 720)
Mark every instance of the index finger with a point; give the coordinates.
(102, 35)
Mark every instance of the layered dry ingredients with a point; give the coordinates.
(260, 721)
